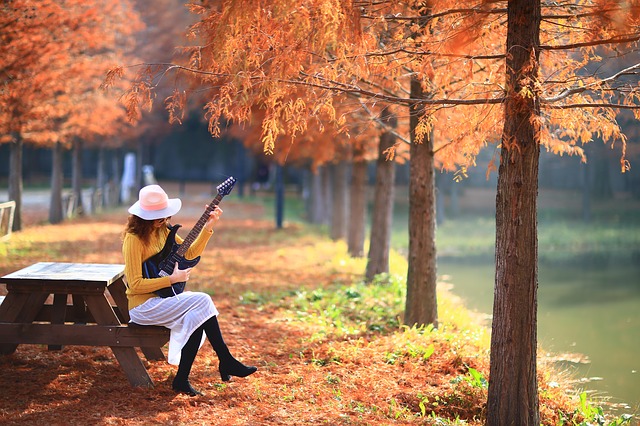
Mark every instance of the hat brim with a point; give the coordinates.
(173, 206)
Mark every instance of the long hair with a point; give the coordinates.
(142, 228)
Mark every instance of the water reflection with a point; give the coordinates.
(581, 310)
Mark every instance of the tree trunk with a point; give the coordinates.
(76, 176)
(15, 179)
(358, 208)
(383, 201)
(316, 202)
(513, 391)
(114, 190)
(586, 191)
(440, 213)
(56, 214)
(601, 186)
(101, 176)
(421, 304)
(327, 194)
(279, 193)
(340, 202)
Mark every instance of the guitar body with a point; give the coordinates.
(163, 263)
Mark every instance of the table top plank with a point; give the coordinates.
(101, 274)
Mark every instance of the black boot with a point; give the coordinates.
(232, 367)
(183, 386)
(187, 356)
(228, 365)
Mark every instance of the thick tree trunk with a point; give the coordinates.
(358, 208)
(15, 179)
(340, 203)
(76, 176)
(57, 181)
(513, 390)
(383, 201)
(421, 303)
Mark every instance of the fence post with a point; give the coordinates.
(6, 225)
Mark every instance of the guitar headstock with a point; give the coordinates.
(225, 187)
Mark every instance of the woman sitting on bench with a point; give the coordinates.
(189, 315)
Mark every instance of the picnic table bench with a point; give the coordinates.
(59, 304)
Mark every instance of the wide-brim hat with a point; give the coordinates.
(153, 203)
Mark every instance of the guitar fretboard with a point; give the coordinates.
(195, 231)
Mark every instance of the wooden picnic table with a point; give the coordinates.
(59, 304)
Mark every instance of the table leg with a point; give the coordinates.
(79, 310)
(58, 314)
(128, 358)
(117, 289)
(20, 307)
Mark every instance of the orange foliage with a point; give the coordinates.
(297, 61)
(54, 56)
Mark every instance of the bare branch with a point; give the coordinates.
(575, 90)
(613, 40)
(594, 105)
(385, 126)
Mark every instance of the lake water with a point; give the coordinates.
(594, 312)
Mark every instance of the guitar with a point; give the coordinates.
(163, 263)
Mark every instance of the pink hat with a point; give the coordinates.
(153, 203)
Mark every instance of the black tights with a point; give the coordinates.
(227, 366)
(190, 349)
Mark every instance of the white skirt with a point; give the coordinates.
(182, 314)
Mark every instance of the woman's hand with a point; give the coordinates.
(179, 275)
(214, 216)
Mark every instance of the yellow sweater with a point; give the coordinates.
(135, 252)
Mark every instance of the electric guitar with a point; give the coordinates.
(163, 263)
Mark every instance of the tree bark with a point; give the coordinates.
(76, 177)
(326, 180)
(513, 390)
(586, 190)
(340, 202)
(383, 201)
(101, 176)
(316, 203)
(114, 190)
(421, 304)
(358, 208)
(279, 193)
(15, 179)
(57, 181)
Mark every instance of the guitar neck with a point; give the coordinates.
(195, 231)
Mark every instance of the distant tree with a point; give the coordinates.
(43, 50)
(383, 202)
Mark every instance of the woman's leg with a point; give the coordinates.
(187, 356)
(228, 365)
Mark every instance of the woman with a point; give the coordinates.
(189, 315)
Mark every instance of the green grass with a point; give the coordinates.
(561, 241)
(612, 236)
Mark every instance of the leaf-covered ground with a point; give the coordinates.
(328, 350)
